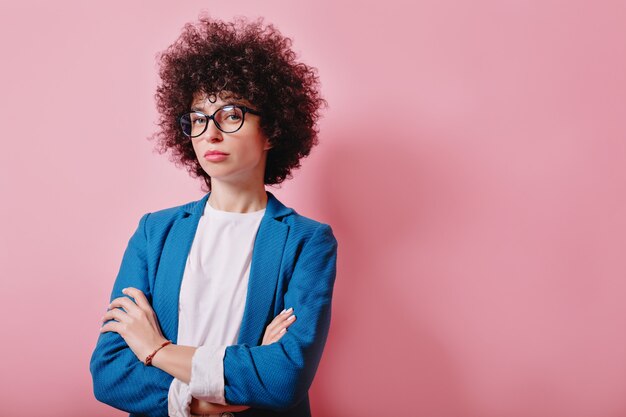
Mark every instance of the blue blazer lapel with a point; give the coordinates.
(267, 255)
(171, 267)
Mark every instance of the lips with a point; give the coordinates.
(207, 153)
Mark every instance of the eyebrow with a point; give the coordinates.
(227, 103)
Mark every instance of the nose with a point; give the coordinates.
(212, 133)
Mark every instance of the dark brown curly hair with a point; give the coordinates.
(249, 61)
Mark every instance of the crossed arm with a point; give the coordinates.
(137, 324)
(274, 376)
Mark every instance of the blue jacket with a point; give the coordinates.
(293, 265)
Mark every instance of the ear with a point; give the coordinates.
(268, 145)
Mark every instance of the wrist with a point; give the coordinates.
(175, 360)
(148, 359)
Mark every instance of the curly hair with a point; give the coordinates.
(249, 61)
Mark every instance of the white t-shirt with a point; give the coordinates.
(212, 300)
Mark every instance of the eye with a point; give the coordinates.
(197, 119)
(230, 114)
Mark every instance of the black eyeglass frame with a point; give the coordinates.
(244, 110)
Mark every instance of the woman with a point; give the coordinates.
(202, 319)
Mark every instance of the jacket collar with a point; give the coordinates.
(274, 209)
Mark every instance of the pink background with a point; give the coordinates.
(471, 164)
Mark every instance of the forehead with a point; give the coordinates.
(203, 100)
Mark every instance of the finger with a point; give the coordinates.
(280, 318)
(283, 327)
(286, 322)
(115, 314)
(111, 326)
(279, 322)
(126, 303)
(139, 296)
(274, 327)
(278, 332)
(276, 337)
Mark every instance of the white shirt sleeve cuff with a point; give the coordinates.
(207, 374)
(178, 399)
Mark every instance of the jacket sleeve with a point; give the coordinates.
(278, 376)
(119, 378)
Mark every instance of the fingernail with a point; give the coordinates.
(291, 318)
(290, 309)
(284, 309)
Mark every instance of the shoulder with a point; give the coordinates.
(303, 229)
(303, 226)
(161, 220)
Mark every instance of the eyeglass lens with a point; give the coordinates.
(227, 119)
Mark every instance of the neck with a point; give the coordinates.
(237, 198)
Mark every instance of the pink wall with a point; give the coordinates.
(482, 229)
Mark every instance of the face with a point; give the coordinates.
(245, 150)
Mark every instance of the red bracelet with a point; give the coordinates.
(148, 360)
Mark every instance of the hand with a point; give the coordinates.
(273, 333)
(277, 328)
(137, 325)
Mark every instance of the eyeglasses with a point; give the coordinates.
(228, 119)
